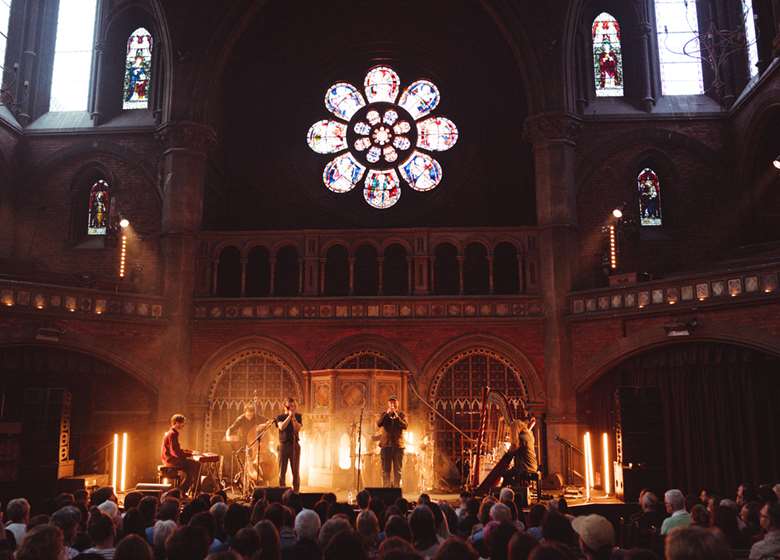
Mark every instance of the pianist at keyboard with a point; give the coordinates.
(174, 456)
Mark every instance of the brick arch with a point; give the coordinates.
(768, 106)
(647, 339)
(351, 345)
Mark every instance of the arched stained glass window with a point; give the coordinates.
(138, 70)
(649, 190)
(5, 14)
(679, 52)
(607, 56)
(99, 209)
(73, 55)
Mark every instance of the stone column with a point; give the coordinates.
(272, 283)
(554, 137)
(185, 147)
(491, 281)
(351, 275)
(380, 263)
(243, 276)
(322, 276)
(460, 274)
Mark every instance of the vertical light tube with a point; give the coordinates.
(607, 481)
(612, 247)
(115, 462)
(588, 466)
(123, 483)
(123, 255)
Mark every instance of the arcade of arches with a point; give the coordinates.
(553, 211)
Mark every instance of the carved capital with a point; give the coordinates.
(552, 127)
(187, 136)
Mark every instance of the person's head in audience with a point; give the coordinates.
(507, 495)
(497, 537)
(67, 499)
(81, 497)
(363, 497)
(464, 497)
(750, 514)
(270, 545)
(704, 496)
(551, 551)
(133, 523)
(745, 493)
(521, 545)
(692, 543)
(345, 545)
(219, 510)
(500, 512)
(329, 497)
(438, 520)
(133, 547)
(162, 530)
(168, 510)
(674, 501)
(423, 499)
(456, 549)
(367, 526)
(331, 528)
(484, 509)
(449, 515)
(378, 506)
(236, 517)
(67, 519)
(132, 499)
(205, 521)
(535, 515)
(648, 502)
(700, 516)
(321, 507)
(148, 508)
(292, 500)
(258, 494)
(219, 498)
(101, 530)
(472, 507)
(18, 511)
(596, 535)
(258, 512)
(101, 495)
(398, 526)
(726, 521)
(556, 527)
(397, 548)
(776, 490)
(275, 514)
(307, 525)
(770, 517)
(403, 505)
(423, 527)
(41, 543)
(187, 543)
(245, 543)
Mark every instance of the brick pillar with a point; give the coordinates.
(185, 147)
(554, 137)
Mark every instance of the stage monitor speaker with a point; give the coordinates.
(387, 495)
(639, 427)
(274, 493)
(629, 481)
(308, 499)
(152, 488)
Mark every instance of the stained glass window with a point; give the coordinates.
(99, 208)
(138, 70)
(73, 55)
(649, 191)
(5, 14)
(750, 36)
(384, 135)
(679, 51)
(607, 56)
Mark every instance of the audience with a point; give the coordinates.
(211, 527)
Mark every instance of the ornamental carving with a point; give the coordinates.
(187, 135)
(353, 394)
(552, 127)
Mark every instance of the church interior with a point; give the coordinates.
(573, 204)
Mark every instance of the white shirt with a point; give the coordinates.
(19, 530)
(107, 553)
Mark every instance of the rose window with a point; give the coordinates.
(382, 135)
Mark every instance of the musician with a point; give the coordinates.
(245, 424)
(392, 423)
(525, 465)
(173, 455)
(289, 425)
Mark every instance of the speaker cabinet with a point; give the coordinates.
(387, 495)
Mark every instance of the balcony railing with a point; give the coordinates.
(49, 299)
(742, 285)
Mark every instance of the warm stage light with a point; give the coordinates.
(114, 464)
(605, 446)
(618, 213)
(612, 248)
(122, 255)
(124, 223)
(588, 466)
(123, 480)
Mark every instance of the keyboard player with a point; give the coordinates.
(173, 455)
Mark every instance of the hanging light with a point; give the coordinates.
(617, 213)
(124, 223)
(776, 162)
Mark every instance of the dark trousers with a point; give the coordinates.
(191, 469)
(392, 460)
(290, 453)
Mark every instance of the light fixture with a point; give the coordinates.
(612, 247)
(115, 462)
(124, 223)
(776, 162)
(605, 448)
(123, 478)
(588, 466)
(617, 213)
(122, 255)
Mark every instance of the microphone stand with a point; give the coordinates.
(360, 450)
(254, 442)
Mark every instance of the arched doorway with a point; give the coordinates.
(246, 375)
(456, 393)
(67, 406)
(717, 425)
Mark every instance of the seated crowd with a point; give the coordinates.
(171, 528)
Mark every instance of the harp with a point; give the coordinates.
(497, 440)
